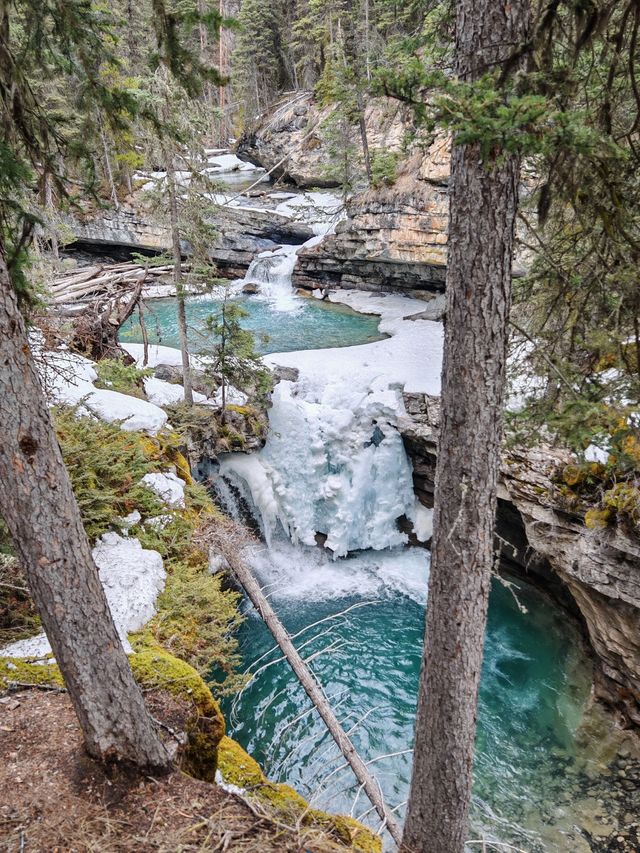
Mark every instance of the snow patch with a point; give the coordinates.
(132, 578)
(68, 380)
(593, 453)
(165, 393)
(167, 486)
(232, 395)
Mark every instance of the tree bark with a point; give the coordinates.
(177, 277)
(49, 205)
(40, 510)
(483, 203)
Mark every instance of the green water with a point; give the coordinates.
(532, 698)
(313, 325)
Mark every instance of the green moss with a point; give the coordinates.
(196, 620)
(238, 768)
(19, 669)
(156, 668)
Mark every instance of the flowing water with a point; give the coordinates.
(334, 472)
(534, 687)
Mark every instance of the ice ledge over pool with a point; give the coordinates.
(409, 360)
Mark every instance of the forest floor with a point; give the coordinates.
(53, 797)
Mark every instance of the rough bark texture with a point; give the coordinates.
(38, 506)
(482, 215)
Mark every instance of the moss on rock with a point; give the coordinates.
(156, 668)
(239, 768)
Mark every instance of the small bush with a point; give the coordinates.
(124, 378)
(106, 465)
(383, 167)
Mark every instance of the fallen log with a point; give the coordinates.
(315, 693)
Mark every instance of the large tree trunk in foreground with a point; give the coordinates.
(39, 507)
(483, 205)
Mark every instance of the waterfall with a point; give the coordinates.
(333, 466)
(272, 271)
(334, 470)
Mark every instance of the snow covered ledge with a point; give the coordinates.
(132, 578)
(69, 379)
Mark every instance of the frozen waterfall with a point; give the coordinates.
(334, 470)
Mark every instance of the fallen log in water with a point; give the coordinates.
(310, 685)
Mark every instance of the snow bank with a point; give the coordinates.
(410, 358)
(158, 354)
(132, 578)
(165, 393)
(226, 162)
(167, 486)
(232, 395)
(68, 380)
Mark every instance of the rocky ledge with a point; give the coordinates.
(241, 233)
(594, 574)
(393, 239)
(394, 236)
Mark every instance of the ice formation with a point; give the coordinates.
(334, 462)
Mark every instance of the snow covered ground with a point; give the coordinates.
(132, 578)
(69, 379)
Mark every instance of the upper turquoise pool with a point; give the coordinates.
(313, 325)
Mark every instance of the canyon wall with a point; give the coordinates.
(595, 574)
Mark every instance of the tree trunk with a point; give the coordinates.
(50, 208)
(363, 137)
(108, 169)
(40, 510)
(484, 196)
(177, 278)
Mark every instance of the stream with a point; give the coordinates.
(334, 473)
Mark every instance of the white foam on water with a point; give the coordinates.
(290, 573)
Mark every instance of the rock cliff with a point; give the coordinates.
(394, 238)
(297, 142)
(242, 232)
(595, 575)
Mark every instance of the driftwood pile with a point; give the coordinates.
(110, 280)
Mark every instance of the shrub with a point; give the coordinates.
(124, 378)
(383, 167)
(106, 465)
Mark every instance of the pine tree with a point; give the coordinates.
(67, 43)
(483, 205)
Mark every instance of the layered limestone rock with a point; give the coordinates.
(595, 574)
(394, 238)
(241, 233)
(297, 139)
